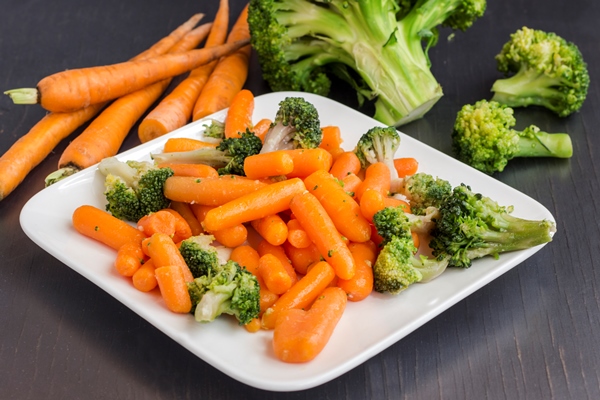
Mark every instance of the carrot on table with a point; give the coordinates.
(274, 274)
(343, 210)
(193, 170)
(261, 128)
(164, 252)
(267, 200)
(361, 284)
(229, 75)
(307, 161)
(297, 236)
(247, 257)
(239, 115)
(272, 228)
(377, 177)
(322, 231)
(173, 288)
(210, 191)
(175, 110)
(300, 336)
(129, 258)
(185, 210)
(144, 279)
(103, 227)
(273, 163)
(180, 144)
(301, 294)
(302, 258)
(232, 236)
(406, 166)
(347, 163)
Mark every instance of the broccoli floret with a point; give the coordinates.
(378, 46)
(228, 157)
(296, 126)
(424, 191)
(215, 130)
(546, 71)
(394, 221)
(379, 144)
(199, 255)
(471, 226)
(230, 290)
(133, 189)
(483, 137)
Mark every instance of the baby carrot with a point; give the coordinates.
(247, 257)
(301, 294)
(186, 212)
(371, 202)
(361, 284)
(320, 228)
(272, 228)
(377, 177)
(239, 114)
(182, 228)
(174, 145)
(302, 258)
(103, 227)
(394, 202)
(173, 288)
(265, 247)
(163, 251)
(273, 163)
(339, 205)
(274, 274)
(300, 336)
(193, 170)
(232, 236)
(351, 183)
(406, 166)
(210, 191)
(307, 161)
(261, 127)
(144, 279)
(332, 138)
(200, 211)
(347, 163)
(267, 200)
(160, 221)
(129, 258)
(253, 325)
(297, 236)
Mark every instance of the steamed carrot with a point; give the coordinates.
(272, 228)
(210, 191)
(370, 203)
(351, 183)
(273, 163)
(297, 236)
(129, 258)
(253, 326)
(173, 145)
(173, 288)
(265, 248)
(339, 205)
(394, 202)
(347, 163)
(377, 177)
(239, 115)
(406, 166)
(175, 110)
(200, 211)
(144, 279)
(160, 221)
(267, 200)
(274, 274)
(307, 161)
(300, 336)
(183, 229)
(103, 227)
(105, 135)
(301, 294)
(232, 236)
(332, 138)
(33, 147)
(322, 231)
(360, 285)
(261, 127)
(193, 170)
(186, 212)
(163, 251)
(302, 258)
(247, 257)
(229, 75)
(74, 89)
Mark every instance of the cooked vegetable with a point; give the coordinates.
(379, 144)
(239, 114)
(164, 252)
(200, 256)
(209, 191)
(424, 190)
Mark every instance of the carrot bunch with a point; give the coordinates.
(307, 236)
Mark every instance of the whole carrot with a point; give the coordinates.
(232, 236)
(144, 279)
(103, 227)
(247, 257)
(175, 110)
(265, 248)
(307, 161)
(360, 285)
(77, 88)
(300, 336)
(273, 273)
(332, 138)
(210, 191)
(129, 258)
(297, 236)
(173, 288)
(377, 177)
(272, 228)
(163, 252)
(347, 163)
(239, 114)
(273, 163)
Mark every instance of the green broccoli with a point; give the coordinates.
(546, 71)
(379, 144)
(215, 130)
(483, 138)
(471, 226)
(228, 157)
(133, 189)
(229, 290)
(423, 191)
(296, 126)
(380, 47)
(199, 255)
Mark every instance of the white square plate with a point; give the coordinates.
(367, 327)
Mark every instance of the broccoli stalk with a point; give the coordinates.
(379, 144)
(483, 138)
(296, 126)
(200, 256)
(547, 71)
(378, 46)
(228, 157)
(133, 189)
(472, 226)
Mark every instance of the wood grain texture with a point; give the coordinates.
(533, 333)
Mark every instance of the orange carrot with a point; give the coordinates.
(267, 200)
(377, 177)
(321, 229)
(186, 212)
(339, 205)
(173, 145)
(210, 191)
(193, 170)
(332, 138)
(129, 258)
(394, 202)
(163, 251)
(173, 288)
(274, 274)
(182, 228)
(265, 247)
(247, 257)
(232, 236)
(335, 153)
(297, 236)
(371, 202)
(103, 227)
(239, 114)
(272, 228)
(160, 221)
(267, 298)
(273, 163)
(347, 163)
(302, 258)
(301, 294)
(200, 211)
(261, 127)
(175, 110)
(361, 284)
(229, 75)
(300, 336)
(253, 325)
(406, 166)
(144, 279)
(307, 161)
(351, 183)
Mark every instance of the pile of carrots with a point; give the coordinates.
(116, 96)
(311, 210)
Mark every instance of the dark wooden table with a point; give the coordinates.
(533, 333)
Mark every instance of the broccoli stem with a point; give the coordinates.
(543, 144)
(527, 87)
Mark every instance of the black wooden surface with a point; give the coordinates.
(533, 333)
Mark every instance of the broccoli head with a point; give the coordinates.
(546, 71)
(200, 256)
(296, 126)
(483, 137)
(424, 191)
(472, 226)
(230, 289)
(379, 144)
(379, 47)
(228, 156)
(133, 189)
